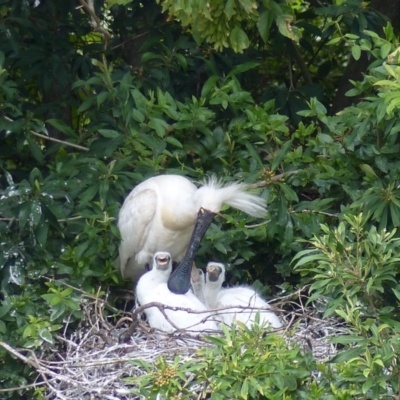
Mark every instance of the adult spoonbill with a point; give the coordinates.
(169, 213)
(217, 297)
(152, 287)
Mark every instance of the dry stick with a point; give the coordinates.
(90, 296)
(229, 310)
(77, 146)
(34, 364)
(59, 220)
(161, 307)
(269, 181)
(14, 352)
(12, 389)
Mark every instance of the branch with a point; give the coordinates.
(88, 295)
(95, 20)
(316, 212)
(59, 220)
(15, 353)
(32, 385)
(270, 180)
(77, 146)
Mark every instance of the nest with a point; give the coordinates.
(92, 362)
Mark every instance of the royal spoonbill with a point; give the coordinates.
(217, 297)
(169, 213)
(152, 287)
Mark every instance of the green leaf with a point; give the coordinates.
(254, 154)
(24, 214)
(208, 85)
(239, 40)
(264, 24)
(281, 155)
(385, 50)
(347, 339)
(159, 125)
(334, 41)
(41, 232)
(46, 335)
(244, 391)
(87, 104)
(3, 328)
(243, 68)
(288, 192)
(137, 115)
(109, 133)
(150, 56)
(356, 52)
(346, 355)
(368, 170)
(389, 321)
(62, 127)
(101, 98)
(35, 149)
(173, 141)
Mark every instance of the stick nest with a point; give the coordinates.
(92, 362)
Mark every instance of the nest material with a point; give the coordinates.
(93, 362)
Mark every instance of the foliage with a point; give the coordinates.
(356, 270)
(228, 369)
(353, 266)
(85, 114)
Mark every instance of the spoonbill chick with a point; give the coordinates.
(152, 287)
(169, 213)
(217, 297)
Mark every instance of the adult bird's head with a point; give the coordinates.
(179, 281)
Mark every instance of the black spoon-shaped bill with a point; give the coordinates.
(179, 281)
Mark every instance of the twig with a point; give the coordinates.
(59, 220)
(15, 353)
(257, 225)
(270, 180)
(32, 385)
(85, 294)
(95, 20)
(317, 212)
(77, 146)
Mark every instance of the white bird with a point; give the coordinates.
(169, 213)
(152, 287)
(217, 297)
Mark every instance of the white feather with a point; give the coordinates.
(160, 214)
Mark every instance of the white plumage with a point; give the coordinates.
(160, 214)
(152, 287)
(217, 297)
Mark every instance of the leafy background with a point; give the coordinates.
(299, 99)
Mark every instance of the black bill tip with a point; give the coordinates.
(179, 281)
